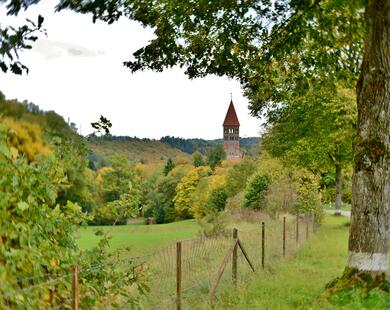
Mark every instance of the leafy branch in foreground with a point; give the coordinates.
(38, 243)
(13, 40)
(103, 125)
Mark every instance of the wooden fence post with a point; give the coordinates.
(262, 244)
(178, 275)
(284, 236)
(313, 218)
(75, 288)
(307, 225)
(297, 230)
(234, 258)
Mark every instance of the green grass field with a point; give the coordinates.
(140, 238)
(143, 239)
(295, 283)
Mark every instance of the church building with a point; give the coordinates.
(231, 134)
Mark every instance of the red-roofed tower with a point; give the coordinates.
(231, 134)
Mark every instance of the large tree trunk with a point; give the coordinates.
(369, 231)
(339, 185)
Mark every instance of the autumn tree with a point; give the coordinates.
(315, 131)
(238, 176)
(197, 159)
(215, 156)
(186, 188)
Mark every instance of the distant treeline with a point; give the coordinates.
(191, 145)
(188, 146)
(118, 138)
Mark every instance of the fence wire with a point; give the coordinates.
(201, 258)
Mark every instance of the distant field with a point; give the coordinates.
(143, 239)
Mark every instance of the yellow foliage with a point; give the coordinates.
(187, 186)
(271, 166)
(100, 172)
(103, 170)
(202, 193)
(25, 138)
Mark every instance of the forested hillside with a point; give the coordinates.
(250, 145)
(135, 150)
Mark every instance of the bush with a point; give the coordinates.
(38, 240)
(235, 202)
(159, 214)
(280, 197)
(256, 190)
(213, 225)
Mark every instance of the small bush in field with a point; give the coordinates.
(280, 197)
(235, 202)
(213, 225)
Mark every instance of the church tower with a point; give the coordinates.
(231, 134)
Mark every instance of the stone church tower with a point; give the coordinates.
(231, 134)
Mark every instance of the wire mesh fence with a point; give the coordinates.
(178, 278)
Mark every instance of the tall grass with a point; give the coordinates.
(297, 282)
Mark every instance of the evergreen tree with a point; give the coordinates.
(168, 167)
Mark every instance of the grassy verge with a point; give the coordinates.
(297, 282)
(332, 206)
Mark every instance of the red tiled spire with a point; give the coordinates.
(231, 118)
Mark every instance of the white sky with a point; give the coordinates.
(77, 71)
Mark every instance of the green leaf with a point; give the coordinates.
(22, 205)
(4, 150)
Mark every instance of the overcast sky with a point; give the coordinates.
(77, 71)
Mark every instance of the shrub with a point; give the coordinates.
(38, 240)
(213, 225)
(256, 190)
(280, 197)
(235, 202)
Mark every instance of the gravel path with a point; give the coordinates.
(343, 213)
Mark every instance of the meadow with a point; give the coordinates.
(296, 282)
(201, 256)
